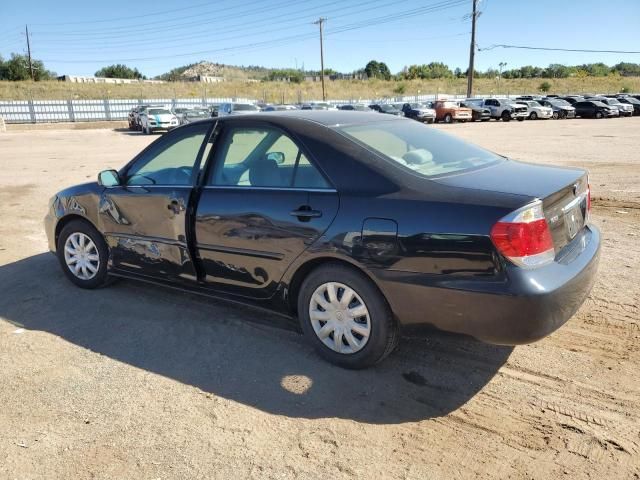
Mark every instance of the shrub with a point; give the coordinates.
(545, 86)
(400, 88)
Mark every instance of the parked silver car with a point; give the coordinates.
(237, 109)
(624, 109)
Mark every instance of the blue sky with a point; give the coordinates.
(79, 37)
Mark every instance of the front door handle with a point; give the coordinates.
(176, 206)
(305, 213)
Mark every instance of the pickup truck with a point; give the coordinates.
(449, 111)
(502, 108)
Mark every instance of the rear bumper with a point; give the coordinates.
(520, 307)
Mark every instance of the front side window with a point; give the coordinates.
(171, 160)
(263, 157)
(418, 148)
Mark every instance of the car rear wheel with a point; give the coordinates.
(345, 317)
(448, 118)
(83, 254)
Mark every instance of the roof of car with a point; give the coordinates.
(323, 117)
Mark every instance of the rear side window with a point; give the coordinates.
(263, 157)
(419, 148)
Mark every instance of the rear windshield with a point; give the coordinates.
(419, 148)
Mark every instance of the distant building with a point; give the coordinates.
(80, 79)
(205, 79)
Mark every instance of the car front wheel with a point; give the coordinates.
(533, 116)
(598, 114)
(448, 118)
(345, 317)
(83, 254)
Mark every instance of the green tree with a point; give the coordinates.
(375, 69)
(119, 71)
(17, 68)
(545, 86)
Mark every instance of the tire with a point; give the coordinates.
(382, 334)
(520, 119)
(563, 115)
(95, 254)
(555, 115)
(430, 121)
(533, 116)
(599, 115)
(485, 119)
(506, 117)
(448, 118)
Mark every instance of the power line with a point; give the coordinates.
(243, 24)
(109, 20)
(268, 29)
(366, 23)
(557, 49)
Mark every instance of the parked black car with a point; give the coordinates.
(591, 109)
(360, 225)
(419, 111)
(477, 112)
(572, 99)
(386, 108)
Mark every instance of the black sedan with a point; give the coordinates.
(591, 109)
(361, 226)
(386, 108)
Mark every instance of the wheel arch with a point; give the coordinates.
(64, 221)
(302, 270)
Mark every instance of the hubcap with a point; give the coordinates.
(81, 256)
(339, 318)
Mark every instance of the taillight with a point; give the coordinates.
(524, 237)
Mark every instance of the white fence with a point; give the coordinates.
(51, 111)
(48, 111)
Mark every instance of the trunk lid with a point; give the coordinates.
(563, 192)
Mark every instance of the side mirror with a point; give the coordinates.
(278, 157)
(109, 178)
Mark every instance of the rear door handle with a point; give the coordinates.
(306, 213)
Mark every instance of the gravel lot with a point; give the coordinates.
(135, 381)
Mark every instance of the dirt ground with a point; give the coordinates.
(135, 381)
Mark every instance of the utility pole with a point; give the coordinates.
(320, 22)
(26, 30)
(472, 50)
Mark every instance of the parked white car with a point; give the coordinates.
(536, 111)
(157, 118)
(237, 109)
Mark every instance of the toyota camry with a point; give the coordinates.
(357, 225)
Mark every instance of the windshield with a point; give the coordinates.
(245, 107)
(421, 149)
(560, 103)
(158, 111)
(598, 104)
(532, 103)
(387, 108)
(612, 101)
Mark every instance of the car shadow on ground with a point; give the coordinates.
(243, 354)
